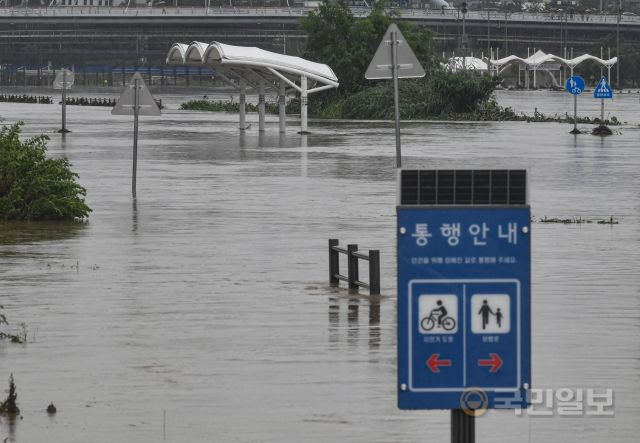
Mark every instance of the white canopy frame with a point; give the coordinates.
(249, 68)
(539, 58)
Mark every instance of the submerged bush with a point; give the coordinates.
(9, 406)
(34, 187)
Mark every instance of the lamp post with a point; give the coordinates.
(618, 44)
(463, 9)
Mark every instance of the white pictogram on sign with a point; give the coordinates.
(438, 313)
(490, 314)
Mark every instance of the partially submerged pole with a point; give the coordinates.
(282, 97)
(396, 100)
(261, 108)
(242, 105)
(303, 105)
(64, 101)
(136, 112)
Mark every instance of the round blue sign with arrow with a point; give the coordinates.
(575, 85)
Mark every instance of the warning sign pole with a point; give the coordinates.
(135, 100)
(136, 112)
(64, 102)
(396, 98)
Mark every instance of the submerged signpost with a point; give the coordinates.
(64, 80)
(602, 91)
(135, 100)
(575, 86)
(394, 59)
(464, 281)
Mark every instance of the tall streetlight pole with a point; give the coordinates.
(618, 44)
(464, 35)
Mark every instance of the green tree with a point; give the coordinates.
(347, 43)
(34, 187)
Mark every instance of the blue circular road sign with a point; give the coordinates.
(575, 85)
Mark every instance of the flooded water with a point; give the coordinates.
(202, 312)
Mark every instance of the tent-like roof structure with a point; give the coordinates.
(246, 68)
(472, 63)
(254, 64)
(539, 58)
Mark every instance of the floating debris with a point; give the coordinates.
(51, 409)
(601, 130)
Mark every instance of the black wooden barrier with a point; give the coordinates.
(353, 277)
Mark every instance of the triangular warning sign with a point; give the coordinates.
(603, 90)
(126, 102)
(408, 64)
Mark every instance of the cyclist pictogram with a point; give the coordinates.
(438, 313)
(438, 318)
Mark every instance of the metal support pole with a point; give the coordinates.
(618, 45)
(575, 107)
(303, 105)
(464, 41)
(64, 101)
(261, 108)
(374, 272)
(334, 262)
(282, 99)
(396, 98)
(352, 266)
(136, 112)
(242, 105)
(463, 427)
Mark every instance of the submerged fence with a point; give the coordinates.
(353, 271)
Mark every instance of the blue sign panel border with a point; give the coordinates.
(515, 391)
(578, 89)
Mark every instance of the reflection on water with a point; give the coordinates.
(351, 306)
(15, 232)
(206, 300)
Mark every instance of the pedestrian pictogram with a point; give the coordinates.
(434, 362)
(575, 85)
(491, 313)
(438, 313)
(603, 90)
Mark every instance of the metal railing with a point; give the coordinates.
(353, 273)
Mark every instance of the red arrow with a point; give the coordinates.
(433, 363)
(495, 362)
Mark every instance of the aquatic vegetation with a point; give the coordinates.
(33, 186)
(225, 106)
(20, 337)
(9, 406)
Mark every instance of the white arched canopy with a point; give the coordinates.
(260, 70)
(539, 58)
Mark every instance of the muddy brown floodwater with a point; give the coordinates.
(203, 311)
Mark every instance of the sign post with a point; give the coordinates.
(602, 91)
(575, 86)
(135, 100)
(394, 59)
(464, 279)
(64, 80)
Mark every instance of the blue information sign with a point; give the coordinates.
(603, 90)
(464, 326)
(575, 85)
